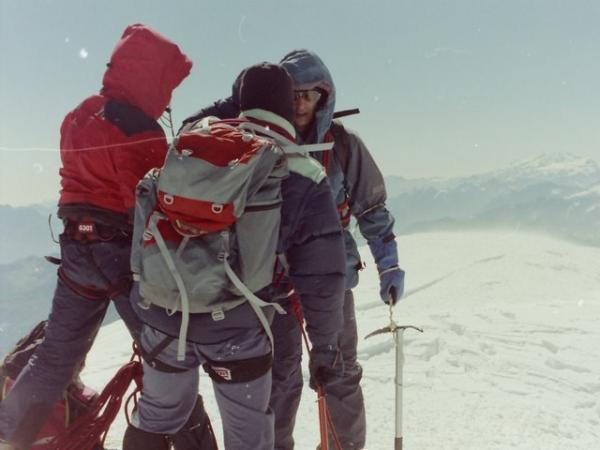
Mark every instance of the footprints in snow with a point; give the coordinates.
(559, 365)
(550, 346)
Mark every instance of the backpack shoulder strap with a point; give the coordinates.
(306, 166)
(286, 144)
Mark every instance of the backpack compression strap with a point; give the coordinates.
(185, 303)
(256, 303)
(287, 145)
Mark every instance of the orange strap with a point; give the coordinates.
(325, 423)
(323, 419)
(91, 428)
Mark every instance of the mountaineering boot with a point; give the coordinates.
(197, 433)
(136, 439)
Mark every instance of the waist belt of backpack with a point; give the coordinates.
(255, 302)
(122, 285)
(90, 230)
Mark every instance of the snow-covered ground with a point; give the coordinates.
(509, 359)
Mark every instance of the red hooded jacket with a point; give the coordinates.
(111, 140)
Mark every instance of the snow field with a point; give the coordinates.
(509, 358)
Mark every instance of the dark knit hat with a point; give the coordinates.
(270, 87)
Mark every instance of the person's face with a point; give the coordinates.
(305, 104)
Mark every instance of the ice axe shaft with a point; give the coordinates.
(398, 332)
(399, 338)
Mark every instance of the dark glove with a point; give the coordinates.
(325, 365)
(391, 276)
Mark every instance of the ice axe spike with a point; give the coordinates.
(398, 332)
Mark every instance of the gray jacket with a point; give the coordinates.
(355, 179)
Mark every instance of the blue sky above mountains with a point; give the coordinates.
(445, 88)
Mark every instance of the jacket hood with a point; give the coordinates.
(309, 72)
(144, 69)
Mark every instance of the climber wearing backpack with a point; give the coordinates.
(359, 191)
(235, 202)
(108, 143)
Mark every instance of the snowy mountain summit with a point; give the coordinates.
(562, 168)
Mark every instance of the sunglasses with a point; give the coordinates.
(311, 96)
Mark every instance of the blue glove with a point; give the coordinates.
(325, 364)
(391, 276)
(391, 282)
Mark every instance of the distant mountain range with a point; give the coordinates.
(556, 194)
(26, 290)
(25, 231)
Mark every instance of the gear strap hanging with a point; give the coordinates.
(92, 427)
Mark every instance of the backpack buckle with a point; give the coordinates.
(217, 315)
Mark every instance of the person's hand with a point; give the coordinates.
(325, 364)
(391, 276)
(391, 282)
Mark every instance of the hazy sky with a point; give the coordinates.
(445, 88)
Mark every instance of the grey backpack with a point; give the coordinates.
(207, 223)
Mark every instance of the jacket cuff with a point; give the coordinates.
(385, 252)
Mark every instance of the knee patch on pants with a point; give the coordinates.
(239, 371)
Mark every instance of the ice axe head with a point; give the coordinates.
(388, 329)
(392, 328)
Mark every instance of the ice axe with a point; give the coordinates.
(398, 332)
